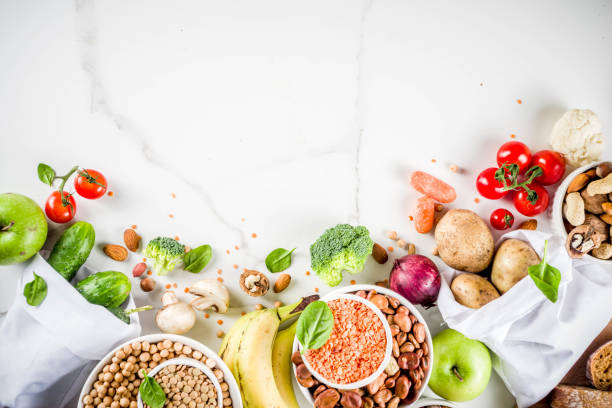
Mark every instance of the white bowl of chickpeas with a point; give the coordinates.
(114, 381)
(183, 379)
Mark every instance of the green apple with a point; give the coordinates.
(23, 228)
(461, 366)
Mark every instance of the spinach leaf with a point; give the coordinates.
(279, 260)
(36, 291)
(46, 174)
(196, 259)
(315, 325)
(151, 392)
(546, 277)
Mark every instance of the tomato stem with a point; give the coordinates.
(513, 169)
(90, 178)
(64, 178)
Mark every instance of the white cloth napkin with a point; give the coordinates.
(534, 340)
(46, 352)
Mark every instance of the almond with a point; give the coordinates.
(607, 207)
(116, 252)
(131, 239)
(578, 183)
(531, 224)
(379, 254)
(607, 218)
(591, 173)
(282, 282)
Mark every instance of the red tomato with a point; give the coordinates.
(523, 201)
(57, 211)
(501, 219)
(552, 165)
(90, 184)
(488, 186)
(514, 152)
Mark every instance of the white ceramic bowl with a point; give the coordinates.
(426, 402)
(404, 302)
(191, 363)
(557, 210)
(388, 349)
(154, 338)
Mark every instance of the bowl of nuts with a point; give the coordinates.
(115, 380)
(582, 212)
(433, 403)
(184, 380)
(402, 380)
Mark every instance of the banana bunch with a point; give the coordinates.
(259, 356)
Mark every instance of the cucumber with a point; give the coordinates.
(72, 249)
(108, 289)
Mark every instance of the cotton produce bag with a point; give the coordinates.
(47, 351)
(534, 341)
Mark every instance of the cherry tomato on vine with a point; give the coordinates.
(514, 153)
(58, 211)
(90, 184)
(501, 219)
(530, 203)
(552, 165)
(488, 186)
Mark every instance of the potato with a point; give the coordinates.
(473, 290)
(511, 263)
(464, 241)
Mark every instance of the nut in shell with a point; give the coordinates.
(582, 240)
(254, 283)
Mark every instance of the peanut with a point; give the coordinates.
(573, 209)
(601, 186)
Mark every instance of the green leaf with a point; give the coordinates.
(151, 392)
(46, 174)
(36, 291)
(196, 259)
(546, 277)
(279, 260)
(315, 325)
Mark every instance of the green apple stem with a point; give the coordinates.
(456, 372)
(8, 226)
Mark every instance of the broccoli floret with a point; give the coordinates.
(166, 253)
(341, 248)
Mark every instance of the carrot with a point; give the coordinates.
(432, 187)
(424, 214)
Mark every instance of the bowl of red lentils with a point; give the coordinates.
(356, 346)
(115, 380)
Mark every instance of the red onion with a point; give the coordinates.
(416, 278)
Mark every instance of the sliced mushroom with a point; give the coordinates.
(583, 239)
(175, 317)
(592, 203)
(603, 252)
(210, 294)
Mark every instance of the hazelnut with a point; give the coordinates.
(147, 284)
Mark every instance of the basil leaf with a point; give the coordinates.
(315, 325)
(36, 291)
(196, 259)
(546, 277)
(46, 174)
(279, 260)
(151, 392)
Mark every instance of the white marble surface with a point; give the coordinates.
(292, 115)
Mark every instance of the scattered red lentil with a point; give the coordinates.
(454, 168)
(242, 313)
(317, 290)
(390, 248)
(242, 219)
(175, 285)
(171, 215)
(411, 218)
(512, 136)
(206, 315)
(144, 259)
(236, 247)
(433, 160)
(278, 303)
(219, 322)
(149, 272)
(134, 226)
(220, 334)
(176, 238)
(235, 266)
(519, 101)
(219, 271)
(110, 193)
(168, 286)
(307, 273)
(477, 200)
(254, 235)
(353, 282)
(227, 251)
(356, 346)
(172, 195)
(186, 290)
(220, 279)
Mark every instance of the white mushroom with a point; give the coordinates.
(209, 294)
(175, 317)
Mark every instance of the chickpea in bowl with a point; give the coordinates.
(582, 212)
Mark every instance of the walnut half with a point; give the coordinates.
(254, 283)
(582, 240)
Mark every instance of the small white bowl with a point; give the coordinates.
(426, 402)
(557, 209)
(388, 348)
(154, 338)
(404, 302)
(191, 363)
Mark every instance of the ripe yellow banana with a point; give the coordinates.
(281, 364)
